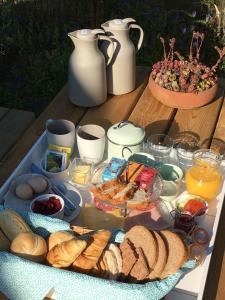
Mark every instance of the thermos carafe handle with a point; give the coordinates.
(141, 37)
(111, 47)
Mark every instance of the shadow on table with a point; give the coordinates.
(161, 127)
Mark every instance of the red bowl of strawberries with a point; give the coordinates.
(50, 205)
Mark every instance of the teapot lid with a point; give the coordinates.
(126, 133)
(85, 34)
(118, 24)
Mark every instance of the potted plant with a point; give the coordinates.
(184, 83)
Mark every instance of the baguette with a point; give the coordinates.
(89, 258)
(12, 224)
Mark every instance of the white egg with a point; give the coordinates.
(38, 184)
(24, 191)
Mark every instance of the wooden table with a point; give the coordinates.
(207, 124)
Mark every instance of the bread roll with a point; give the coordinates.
(12, 224)
(63, 255)
(58, 237)
(4, 242)
(30, 246)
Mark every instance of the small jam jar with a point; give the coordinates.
(184, 221)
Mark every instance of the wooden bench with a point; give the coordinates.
(13, 123)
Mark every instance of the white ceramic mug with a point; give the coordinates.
(61, 133)
(91, 142)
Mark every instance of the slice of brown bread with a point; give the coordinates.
(162, 257)
(141, 237)
(140, 270)
(177, 252)
(129, 257)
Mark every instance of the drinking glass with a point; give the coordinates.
(160, 146)
(80, 172)
(185, 152)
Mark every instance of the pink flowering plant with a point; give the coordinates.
(178, 74)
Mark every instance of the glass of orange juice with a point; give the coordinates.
(203, 178)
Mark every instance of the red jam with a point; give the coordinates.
(47, 207)
(184, 221)
(194, 206)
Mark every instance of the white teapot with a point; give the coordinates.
(87, 68)
(121, 72)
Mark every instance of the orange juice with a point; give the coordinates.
(204, 180)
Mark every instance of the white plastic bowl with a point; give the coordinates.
(59, 214)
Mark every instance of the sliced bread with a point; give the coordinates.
(141, 237)
(177, 252)
(162, 257)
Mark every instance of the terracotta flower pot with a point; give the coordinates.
(180, 99)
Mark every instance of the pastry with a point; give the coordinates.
(29, 246)
(64, 254)
(177, 252)
(141, 237)
(12, 224)
(4, 242)
(140, 270)
(89, 258)
(162, 257)
(129, 256)
(38, 184)
(80, 230)
(24, 191)
(58, 237)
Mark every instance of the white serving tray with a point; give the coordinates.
(191, 286)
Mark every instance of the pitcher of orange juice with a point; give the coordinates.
(204, 178)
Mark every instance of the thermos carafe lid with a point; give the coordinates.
(118, 23)
(86, 34)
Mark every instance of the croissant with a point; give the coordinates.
(89, 258)
(63, 254)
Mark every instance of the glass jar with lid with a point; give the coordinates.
(203, 178)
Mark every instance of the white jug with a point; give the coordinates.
(121, 73)
(87, 68)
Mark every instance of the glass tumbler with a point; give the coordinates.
(160, 146)
(80, 172)
(185, 153)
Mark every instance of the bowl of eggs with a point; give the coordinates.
(28, 186)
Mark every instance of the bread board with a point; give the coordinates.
(192, 285)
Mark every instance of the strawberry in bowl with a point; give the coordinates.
(50, 205)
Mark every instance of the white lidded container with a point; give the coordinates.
(124, 139)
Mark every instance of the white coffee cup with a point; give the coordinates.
(61, 133)
(91, 142)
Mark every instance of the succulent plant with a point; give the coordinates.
(178, 74)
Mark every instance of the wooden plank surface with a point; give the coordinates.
(151, 114)
(218, 140)
(199, 122)
(12, 126)
(60, 107)
(117, 108)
